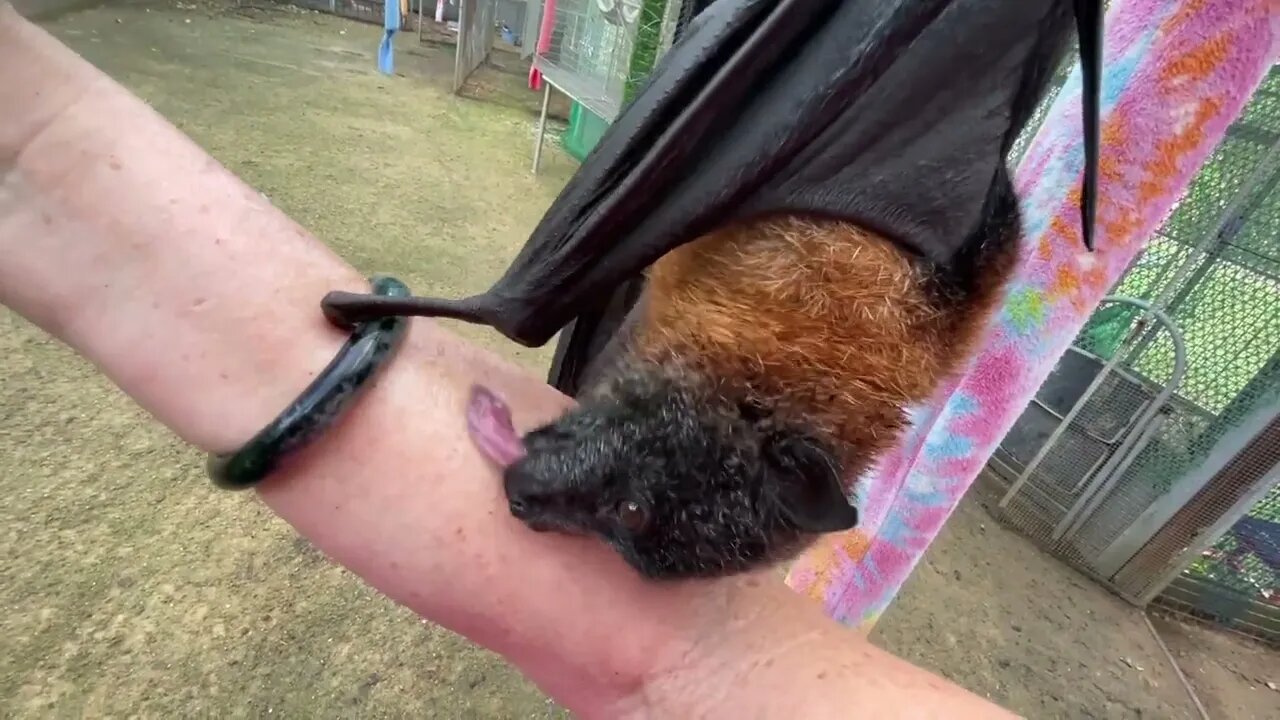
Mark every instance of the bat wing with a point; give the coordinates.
(892, 114)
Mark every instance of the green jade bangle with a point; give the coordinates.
(322, 403)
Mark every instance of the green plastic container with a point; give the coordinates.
(584, 131)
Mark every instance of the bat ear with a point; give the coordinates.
(806, 483)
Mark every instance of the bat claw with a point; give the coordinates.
(337, 308)
(347, 309)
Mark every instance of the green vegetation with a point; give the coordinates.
(647, 47)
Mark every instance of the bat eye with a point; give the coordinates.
(634, 516)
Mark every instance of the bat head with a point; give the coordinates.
(680, 482)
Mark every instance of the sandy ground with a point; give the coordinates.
(129, 587)
(1233, 678)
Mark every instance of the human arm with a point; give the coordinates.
(188, 290)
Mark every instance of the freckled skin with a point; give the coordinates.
(771, 365)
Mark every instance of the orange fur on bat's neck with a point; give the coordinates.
(826, 324)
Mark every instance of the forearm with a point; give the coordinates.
(777, 656)
(122, 238)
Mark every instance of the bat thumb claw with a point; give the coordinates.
(336, 307)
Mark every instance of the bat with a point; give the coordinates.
(805, 220)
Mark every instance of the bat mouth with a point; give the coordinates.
(552, 523)
(490, 427)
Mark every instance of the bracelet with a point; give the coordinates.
(367, 349)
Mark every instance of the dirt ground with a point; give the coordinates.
(129, 587)
(1229, 675)
(990, 611)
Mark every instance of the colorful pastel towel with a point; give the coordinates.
(1177, 73)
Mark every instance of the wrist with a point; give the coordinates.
(737, 628)
(760, 650)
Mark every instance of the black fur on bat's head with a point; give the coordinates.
(720, 488)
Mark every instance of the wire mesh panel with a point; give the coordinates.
(1226, 571)
(1076, 443)
(1236, 582)
(602, 50)
(371, 11)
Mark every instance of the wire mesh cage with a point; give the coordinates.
(1080, 439)
(601, 51)
(370, 11)
(1235, 582)
(1213, 268)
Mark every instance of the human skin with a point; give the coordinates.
(123, 239)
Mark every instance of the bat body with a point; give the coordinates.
(815, 198)
(766, 366)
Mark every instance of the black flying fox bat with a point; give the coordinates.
(816, 199)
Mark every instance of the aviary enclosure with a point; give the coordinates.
(471, 26)
(595, 52)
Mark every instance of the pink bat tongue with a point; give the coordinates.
(489, 423)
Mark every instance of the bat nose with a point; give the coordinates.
(521, 507)
(532, 510)
(524, 492)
